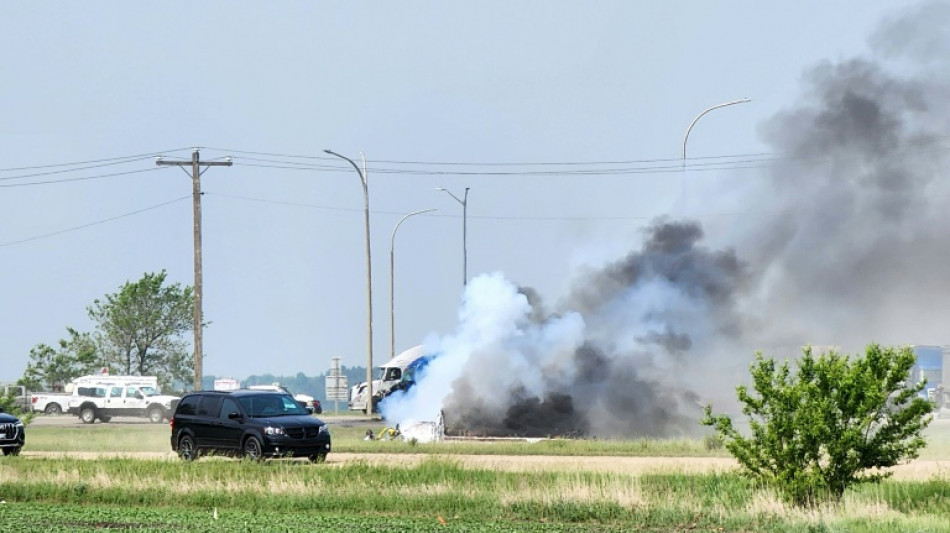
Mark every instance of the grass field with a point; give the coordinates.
(150, 490)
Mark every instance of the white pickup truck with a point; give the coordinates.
(51, 403)
(103, 397)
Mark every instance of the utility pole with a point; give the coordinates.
(196, 173)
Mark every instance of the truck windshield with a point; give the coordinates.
(391, 374)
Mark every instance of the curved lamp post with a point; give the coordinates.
(392, 282)
(693, 123)
(369, 283)
(464, 202)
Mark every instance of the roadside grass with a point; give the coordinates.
(349, 439)
(50, 493)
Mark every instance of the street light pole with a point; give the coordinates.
(464, 202)
(693, 123)
(369, 283)
(392, 282)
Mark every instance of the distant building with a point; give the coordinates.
(226, 384)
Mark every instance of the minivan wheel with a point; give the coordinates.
(252, 449)
(87, 415)
(318, 458)
(155, 415)
(186, 448)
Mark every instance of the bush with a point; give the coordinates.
(814, 434)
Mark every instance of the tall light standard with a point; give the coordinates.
(369, 284)
(693, 123)
(392, 282)
(464, 202)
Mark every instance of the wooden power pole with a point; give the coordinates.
(196, 173)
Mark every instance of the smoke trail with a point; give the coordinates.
(847, 244)
(606, 363)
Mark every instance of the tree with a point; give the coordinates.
(815, 434)
(140, 328)
(51, 368)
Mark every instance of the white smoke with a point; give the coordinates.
(496, 345)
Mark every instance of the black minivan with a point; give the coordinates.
(247, 423)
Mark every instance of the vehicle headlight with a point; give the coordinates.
(324, 429)
(19, 424)
(274, 430)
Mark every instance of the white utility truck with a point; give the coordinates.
(104, 396)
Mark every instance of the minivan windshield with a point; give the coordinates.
(271, 405)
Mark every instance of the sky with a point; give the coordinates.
(565, 120)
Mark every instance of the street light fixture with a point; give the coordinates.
(392, 282)
(693, 123)
(369, 283)
(464, 202)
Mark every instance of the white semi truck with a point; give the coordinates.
(390, 374)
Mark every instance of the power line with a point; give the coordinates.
(91, 161)
(490, 164)
(98, 222)
(400, 213)
(82, 178)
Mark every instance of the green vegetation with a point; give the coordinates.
(58, 494)
(817, 433)
(138, 332)
(349, 439)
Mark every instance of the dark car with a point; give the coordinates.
(247, 423)
(12, 435)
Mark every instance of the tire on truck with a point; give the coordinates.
(87, 413)
(155, 414)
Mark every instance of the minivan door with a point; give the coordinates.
(230, 430)
(206, 423)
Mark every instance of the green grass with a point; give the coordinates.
(58, 493)
(155, 438)
(167, 495)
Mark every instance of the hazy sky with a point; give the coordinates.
(522, 102)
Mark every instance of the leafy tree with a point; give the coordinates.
(140, 328)
(51, 368)
(813, 434)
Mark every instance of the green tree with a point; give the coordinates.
(140, 329)
(838, 421)
(51, 368)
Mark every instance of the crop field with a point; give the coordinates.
(122, 476)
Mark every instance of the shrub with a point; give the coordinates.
(814, 434)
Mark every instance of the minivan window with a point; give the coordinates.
(209, 406)
(188, 405)
(227, 407)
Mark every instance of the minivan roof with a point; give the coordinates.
(238, 392)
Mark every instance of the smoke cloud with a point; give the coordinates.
(846, 244)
